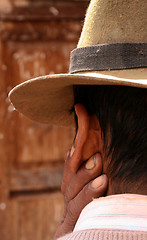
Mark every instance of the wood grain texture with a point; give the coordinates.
(14, 10)
(35, 177)
(35, 216)
(29, 141)
(36, 37)
(68, 31)
(4, 177)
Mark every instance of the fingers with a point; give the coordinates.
(84, 185)
(81, 189)
(81, 181)
(88, 171)
(94, 189)
(90, 187)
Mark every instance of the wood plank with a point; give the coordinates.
(41, 31)
(35, 217)
(45, 13)
(30, 153)
(4, 167)
(29, 141)
(35, 177)
(42, 143)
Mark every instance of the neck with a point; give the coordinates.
(116, 187)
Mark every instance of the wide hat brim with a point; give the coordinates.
(49, 99)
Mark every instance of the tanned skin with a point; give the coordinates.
(83, 171)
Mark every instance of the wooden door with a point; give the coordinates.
(36, 37)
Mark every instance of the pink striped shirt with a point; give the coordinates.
(124, 211)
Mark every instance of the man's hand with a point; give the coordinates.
(80, 188)
(83, 179)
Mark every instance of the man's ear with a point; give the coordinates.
(88, 138)
(93, 142)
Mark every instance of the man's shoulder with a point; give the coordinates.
(102, 234)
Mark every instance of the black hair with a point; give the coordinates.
(121, 111)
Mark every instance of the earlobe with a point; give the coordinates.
(87, 139)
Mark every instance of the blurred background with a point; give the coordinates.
(36, 37)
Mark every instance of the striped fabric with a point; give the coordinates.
(124, 211)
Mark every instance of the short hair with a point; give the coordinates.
(122, 111)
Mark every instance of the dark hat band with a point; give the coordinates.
(109, 57)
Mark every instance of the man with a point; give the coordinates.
(123, 148)
(109, 154)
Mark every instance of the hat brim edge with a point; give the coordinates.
(21, 98)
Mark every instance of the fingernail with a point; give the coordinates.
(99, 181)
(72, 151)
(68, 154)
(91, 163)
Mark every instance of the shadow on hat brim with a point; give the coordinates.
(49, 99)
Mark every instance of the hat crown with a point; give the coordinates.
(114, 21)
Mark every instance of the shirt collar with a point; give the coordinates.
(123, 211)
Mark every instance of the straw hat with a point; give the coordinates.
(112, 50)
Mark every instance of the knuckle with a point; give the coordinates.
(85, 175)
(66, 198)
(63, 188)
(68, 194)
(88, 193)
(70, 207)
(71, 210)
